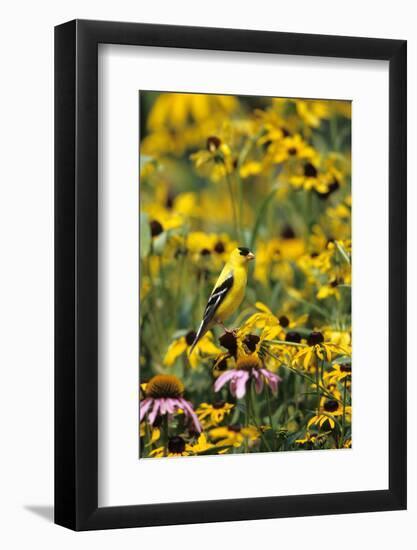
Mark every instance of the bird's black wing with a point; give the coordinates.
(216, 298)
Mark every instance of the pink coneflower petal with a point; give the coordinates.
(163, 408)
(259, 383)
(241, 379)
(176, 403)
(188, 409)
(170, 405)
(144, 406)
(152, 415)
(272, 379)
(223, 379)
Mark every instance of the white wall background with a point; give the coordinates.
(26, 273)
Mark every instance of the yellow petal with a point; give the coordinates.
(175, 349)
(307, 358)
(263, 307)
(328, 353)
(206, 346)
(312, 421)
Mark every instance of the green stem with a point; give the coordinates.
(342, 252)
(344, 413)
(240, 204)
(268, 400)
(252, 414)
(165, 433)
(285, 343)
(247, 418)
(299, 373)
(318, 389)
(233, 205)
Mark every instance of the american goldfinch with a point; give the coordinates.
(228, 292)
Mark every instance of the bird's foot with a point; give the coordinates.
(229, 331)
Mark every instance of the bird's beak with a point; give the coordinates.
(250, 256)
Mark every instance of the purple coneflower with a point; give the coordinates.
(247, 367)
(164, 396)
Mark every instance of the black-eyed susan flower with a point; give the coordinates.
(216, 161)
(338, 372)
(182, 346)
(176, 447)
(202, 445)
(221, 363)
(312, 111)
(328, 411)
(213, 414)
(277, 325)
(164, 396)
(291, 147)
(316, 349)
(155, 433)
(214, 248)
(310, 439)
(339, 336)
(234, 435)
(177, 110)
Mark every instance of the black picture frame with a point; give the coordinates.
(76, 271)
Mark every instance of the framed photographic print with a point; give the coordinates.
(230, 275)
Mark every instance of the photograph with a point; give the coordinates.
(245, 274)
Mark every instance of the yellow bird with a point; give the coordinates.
(228, 292)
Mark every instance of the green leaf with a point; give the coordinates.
(342, 252)
(145, 235)
(261, 214)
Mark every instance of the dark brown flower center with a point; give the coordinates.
(213, 143)
(331, 406)
(164, 385)
(156, 228)
(222, 364)
(176, 445)
(219, 247)
(284, 321)
(251, 341)
(219, 404)
(315, 338)
(229, 341)
(190, 337)
(333, 187)
(169, 203)
(205, 252)
(234, 428)
(293, 337)
(346, 367)
(292, 151)
(288, 232)
(310, 170)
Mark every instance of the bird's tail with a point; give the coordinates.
(202, 329)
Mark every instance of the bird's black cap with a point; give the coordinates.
(243, 250)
